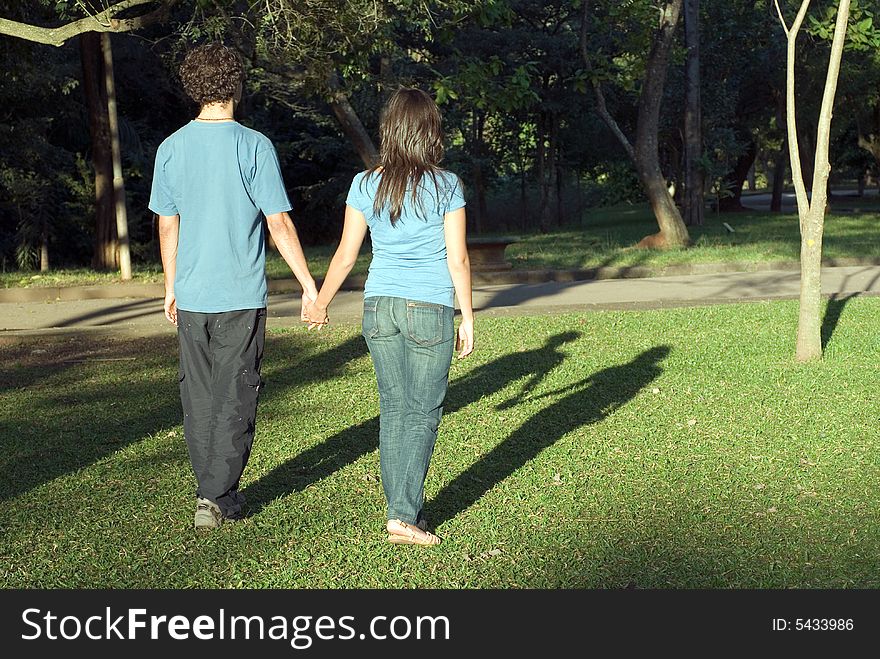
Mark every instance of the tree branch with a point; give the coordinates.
(103, 21)
(781, 17)
(822, 167)
(797, 176)
(601, 106)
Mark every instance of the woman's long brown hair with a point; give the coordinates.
(411, 146)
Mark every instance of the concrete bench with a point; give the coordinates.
(487, 253)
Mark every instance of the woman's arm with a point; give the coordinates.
(353, 233)
(459, 263)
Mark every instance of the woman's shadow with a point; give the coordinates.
(349, 445)
(589, 401)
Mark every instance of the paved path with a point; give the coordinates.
(143, 316)
(761, 200)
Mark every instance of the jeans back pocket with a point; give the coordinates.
(426, 323)
(369, 323)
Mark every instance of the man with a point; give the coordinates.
(213, 181)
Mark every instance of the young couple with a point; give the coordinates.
(213, 181)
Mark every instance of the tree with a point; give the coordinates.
(94, 87)
(693, 135)
(111, 230)
(811, 210)
(644, 150)
(102, 21)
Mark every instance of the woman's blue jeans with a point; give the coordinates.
(411, 344)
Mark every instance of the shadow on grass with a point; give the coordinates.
(833, 311)
(348, 446)
(88, 398)
(588, 401)
(113, 314)
(80, 401)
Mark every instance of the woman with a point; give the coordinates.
(414, 211)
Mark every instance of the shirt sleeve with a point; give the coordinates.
(161, 197)
(358, 197)
(268, 186)
(456, 196)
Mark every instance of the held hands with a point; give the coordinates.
(464, 340)
(171, 308)
(313, 315)
(308, 297)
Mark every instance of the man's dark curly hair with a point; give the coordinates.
(211, 73)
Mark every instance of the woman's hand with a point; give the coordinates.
(464, 341)
(313, 314)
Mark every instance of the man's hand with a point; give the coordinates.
(171, 308)
(315, 316)
(307, 300)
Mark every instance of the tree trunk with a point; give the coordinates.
(523, 196)
(104, 257)
(548, 186)
(779, 165)
(734, 180)
(44, 250)
(645, 154)
(480, 208)
(476, 148)
(673, 232)
(870, 144)
(809, 334)
(811, 212)
(386, 77)
(693, 175)
(558, 173)
(121, 215)
(350, 122)
(560, 181)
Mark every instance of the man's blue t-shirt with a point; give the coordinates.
(219, 177)
(409, 258)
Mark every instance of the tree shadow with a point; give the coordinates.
(589, 401)
(114, 314)
(833, 311)
(80, 412)
(349, 445)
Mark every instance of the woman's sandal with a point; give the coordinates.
(401, 533)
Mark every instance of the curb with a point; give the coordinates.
(479, 278)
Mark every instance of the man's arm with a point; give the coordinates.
(287, 241)
(169, 230)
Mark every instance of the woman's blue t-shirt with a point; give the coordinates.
(409, 257)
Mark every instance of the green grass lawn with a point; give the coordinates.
(671, 449)
(608, 235)
(605, 238)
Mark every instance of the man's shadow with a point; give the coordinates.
(589, 401)
(349, 445)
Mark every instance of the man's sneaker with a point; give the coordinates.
(208, 515)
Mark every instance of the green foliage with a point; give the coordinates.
(861, 35)
(614, 183)
(503, 71)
